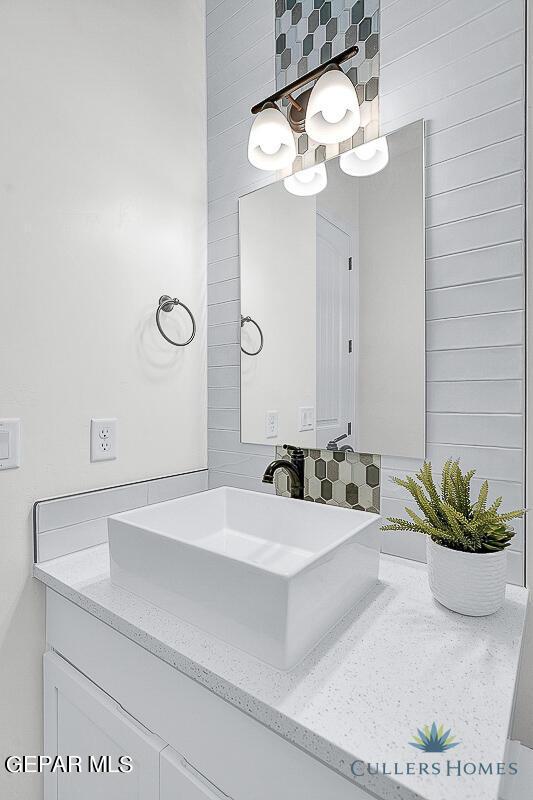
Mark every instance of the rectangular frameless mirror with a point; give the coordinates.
(333, 309)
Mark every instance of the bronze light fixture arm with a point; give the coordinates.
(287, 91)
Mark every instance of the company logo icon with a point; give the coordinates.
(434, 740)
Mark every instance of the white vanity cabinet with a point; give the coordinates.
(82, 721)
(107, 695)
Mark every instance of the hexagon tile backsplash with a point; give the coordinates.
(310, 32)
(337, 478)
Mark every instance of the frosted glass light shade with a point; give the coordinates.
(333, 113)
(367, 159)
(308, 181)
(271, 143)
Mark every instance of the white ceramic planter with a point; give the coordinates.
(469, 583)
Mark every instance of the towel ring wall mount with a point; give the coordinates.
(256, 352)
(167, 304)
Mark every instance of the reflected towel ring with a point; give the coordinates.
(249, 319)
(166, 304)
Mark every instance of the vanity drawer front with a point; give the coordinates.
(237, 754)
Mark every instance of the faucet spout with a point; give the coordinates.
(294, 468)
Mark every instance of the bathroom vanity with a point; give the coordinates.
(200, 718)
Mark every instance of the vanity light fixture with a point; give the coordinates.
(271, 144)
(333, 113)
(308, 181)
(329, 112)
(367, 159)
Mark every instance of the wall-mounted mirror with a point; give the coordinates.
(333, 307)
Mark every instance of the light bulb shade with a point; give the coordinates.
(367, 159)
(307, 182)
(271, 143)
(333, 113)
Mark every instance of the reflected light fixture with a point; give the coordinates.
(308, 181)
(328, 112)
(367, 159)
(271, 143)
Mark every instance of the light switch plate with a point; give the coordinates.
(307, 418)
(103, 439)
(9, 443)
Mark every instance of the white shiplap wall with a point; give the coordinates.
(461, 67)
(240, 70)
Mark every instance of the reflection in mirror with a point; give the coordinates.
(333, 304)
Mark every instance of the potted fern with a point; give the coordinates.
(466, 541)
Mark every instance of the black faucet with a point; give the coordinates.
(295, 469)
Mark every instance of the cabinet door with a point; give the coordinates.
(179, 781)
(81, 720)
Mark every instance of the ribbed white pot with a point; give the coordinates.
(469, 583)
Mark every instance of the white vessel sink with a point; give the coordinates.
(266, 574)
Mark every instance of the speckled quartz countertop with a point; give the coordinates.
(395, 663)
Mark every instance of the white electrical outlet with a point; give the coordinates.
(103, 439)
(271, 424)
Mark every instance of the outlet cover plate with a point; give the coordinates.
(103, 439)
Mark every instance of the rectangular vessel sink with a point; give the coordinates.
(267, 574)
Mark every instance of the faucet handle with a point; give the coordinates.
(332, 445)
(292, 449)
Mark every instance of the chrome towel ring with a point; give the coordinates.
(249, 319)
(166, 304)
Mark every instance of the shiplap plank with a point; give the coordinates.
(223, 249)
(488, 430)
(222, 441)
(223, 376)
(224, 270)
(497, 363)
(234, 92)
(223, 291)
(223, 313)
(482, 131)
(476, 232)
(495, 194)
(233, 25)
(224, 227)
(224, 397)
(482, 396)
(486, 330)
(248, 57)
(226, 355)
(222, 334)
(477, 166)
(217, 479)
(478, 298)
(224, 419)
(487, 263)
